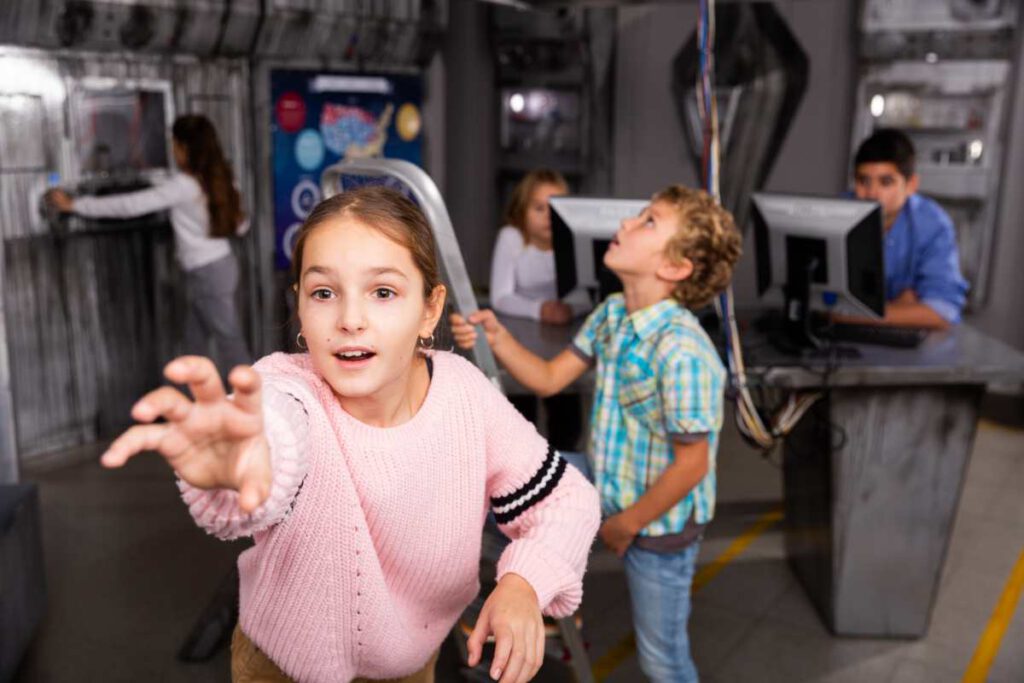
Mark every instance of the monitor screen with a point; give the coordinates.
(582, 228)
(830, 248)
(121, 130)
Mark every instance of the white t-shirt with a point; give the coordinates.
(523, 278)
(182, 195)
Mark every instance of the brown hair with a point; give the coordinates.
(888, 145)
(519, 202)
(707, 236)
(205, 161)
(384, 209)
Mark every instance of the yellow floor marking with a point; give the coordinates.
(988, 644)
(625, 649)
(999, 427)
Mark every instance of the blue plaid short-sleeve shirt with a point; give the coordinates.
(659, 379)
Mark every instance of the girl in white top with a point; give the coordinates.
(205, 210)
(523, 285)
(523, 265)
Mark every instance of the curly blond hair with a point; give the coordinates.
(707, 236)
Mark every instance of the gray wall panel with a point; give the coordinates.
(649, 141)
(471, 136)
(1002, 315)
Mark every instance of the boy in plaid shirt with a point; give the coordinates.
(657, 406)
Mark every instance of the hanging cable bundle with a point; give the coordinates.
(748, 418)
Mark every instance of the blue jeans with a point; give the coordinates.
(659, 588)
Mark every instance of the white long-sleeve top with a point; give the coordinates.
(523, 278)
(180, 194)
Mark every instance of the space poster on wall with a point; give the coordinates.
(322, 117)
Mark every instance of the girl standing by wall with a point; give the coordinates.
(205, 210)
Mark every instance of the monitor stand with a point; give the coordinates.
(793, 333)
(797, 338)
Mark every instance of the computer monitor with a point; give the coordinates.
(121, 129)
(582, 228)
(819, 252)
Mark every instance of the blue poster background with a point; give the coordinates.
(315, 122)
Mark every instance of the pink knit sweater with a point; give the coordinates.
(367, 549)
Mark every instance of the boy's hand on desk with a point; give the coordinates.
(618, 532)
(512, 614)
(215, 441)
(464, 332)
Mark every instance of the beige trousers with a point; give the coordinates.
(250, 665)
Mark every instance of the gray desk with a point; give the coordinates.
(873, 472)
(547, 341)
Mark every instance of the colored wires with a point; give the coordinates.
(748, 418)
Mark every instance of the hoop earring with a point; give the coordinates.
(300, 342)
(426, 342)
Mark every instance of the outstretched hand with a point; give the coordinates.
(214, 441)
(512, 614)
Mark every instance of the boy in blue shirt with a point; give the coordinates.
(924, 287)
(657, 406)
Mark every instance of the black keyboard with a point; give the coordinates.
(880, 335)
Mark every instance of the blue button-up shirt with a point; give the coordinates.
(921, 254)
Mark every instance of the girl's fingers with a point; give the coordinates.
(476, 640)
(514, 659)
(135, 440)
(251, 494)
(165, 402)
(503, 642)
(246, 383)
(200, 374)
(538, 649)
(531, 655)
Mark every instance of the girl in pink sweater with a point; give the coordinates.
(364, 470)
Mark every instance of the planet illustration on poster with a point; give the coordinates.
(309, 150)
(290, 237)
(290, 112)
(354, 132)
(409, 122)
(305, 195)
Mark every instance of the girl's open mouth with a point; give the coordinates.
(350, 356)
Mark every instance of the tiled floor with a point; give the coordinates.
(128, 573)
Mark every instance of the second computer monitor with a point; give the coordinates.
(582, 228)
(821, 252)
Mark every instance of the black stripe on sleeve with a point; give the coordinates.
(509, 507)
